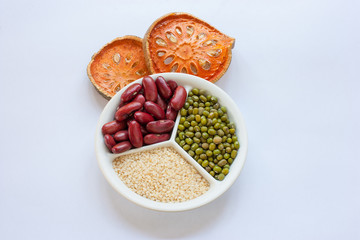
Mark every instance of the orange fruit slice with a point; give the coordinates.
(117, 64)
(180, 42)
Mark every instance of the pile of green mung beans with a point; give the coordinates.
(207, 134)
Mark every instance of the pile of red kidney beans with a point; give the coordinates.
(146, 114)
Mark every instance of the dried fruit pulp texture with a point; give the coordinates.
(118, 64)
(182, 43)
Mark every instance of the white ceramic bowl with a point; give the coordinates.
(217, 188)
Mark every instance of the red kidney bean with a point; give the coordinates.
(155, 138)
(121, 135)
(160, 126)
(154, 109)
(172, 84)
(109, 141)
(112, 127)
(120, 105)
(135, 135)
(131, 92)
(163, 88)
(125, 111)
(143, 130)
(178, 99)
(143, 118)
(128, 121)
(170, 113)
(139, 98)
(150, 90)
(161, 102)
(121, 147)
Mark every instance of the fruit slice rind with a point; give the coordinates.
(191, 41)
(116, 64)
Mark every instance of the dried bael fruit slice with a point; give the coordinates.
(180, 42)
(117, 64)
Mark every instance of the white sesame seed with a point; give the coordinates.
(161, 175)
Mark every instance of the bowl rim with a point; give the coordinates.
(217, 188)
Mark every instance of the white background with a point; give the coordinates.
(295, 76)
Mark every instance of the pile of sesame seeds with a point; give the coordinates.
(161, 175)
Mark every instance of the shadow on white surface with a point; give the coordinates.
(167, 224)
(96, 98)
